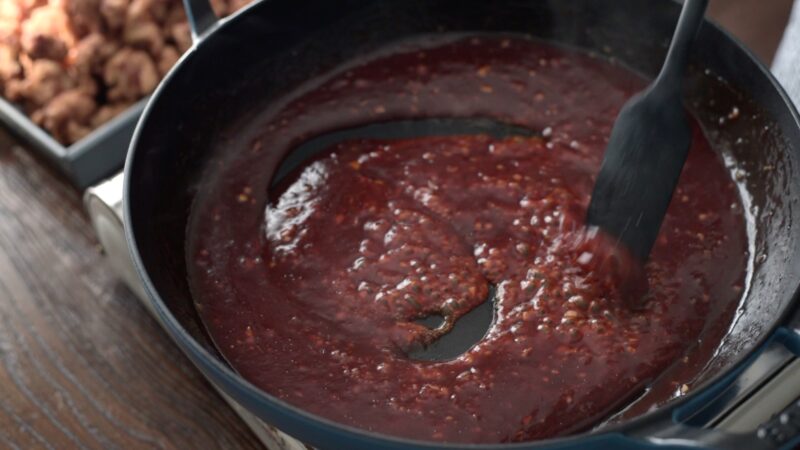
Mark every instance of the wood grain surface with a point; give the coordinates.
(82, 364)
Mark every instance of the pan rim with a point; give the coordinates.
(253, 398)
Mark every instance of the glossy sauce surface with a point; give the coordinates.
(311, 291)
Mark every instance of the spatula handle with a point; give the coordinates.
(678, 55)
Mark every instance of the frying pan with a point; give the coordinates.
(240, 65)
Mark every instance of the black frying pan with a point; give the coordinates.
(240, 65)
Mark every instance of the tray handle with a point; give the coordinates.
(201, 17)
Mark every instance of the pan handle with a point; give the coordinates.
(694, 424)
(201, 17)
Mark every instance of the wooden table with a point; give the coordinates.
(82, 364)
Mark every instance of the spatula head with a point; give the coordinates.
(641, 166)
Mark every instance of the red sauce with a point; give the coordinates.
(314, 301)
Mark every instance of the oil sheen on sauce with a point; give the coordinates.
(310, 291)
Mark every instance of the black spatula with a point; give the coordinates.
(647, 149)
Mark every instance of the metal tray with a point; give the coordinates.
(91, 159)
